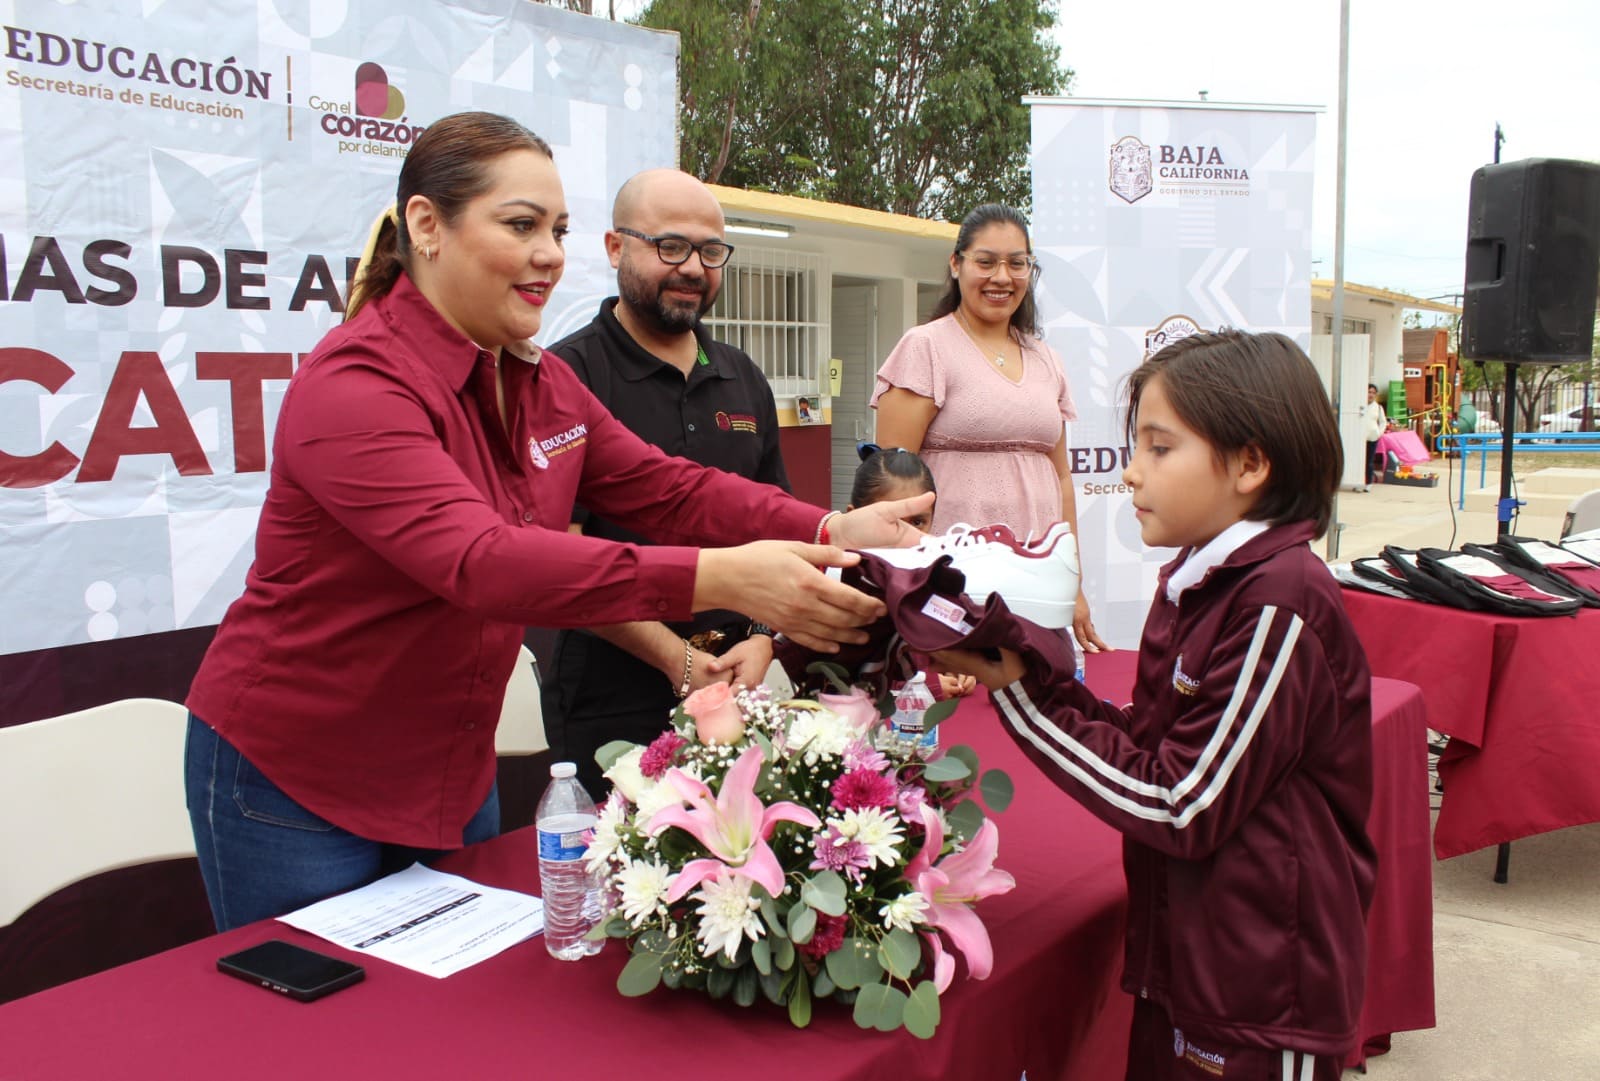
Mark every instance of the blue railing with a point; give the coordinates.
(1485, 444)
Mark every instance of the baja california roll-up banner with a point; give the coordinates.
(1153, 220)
(188, 185)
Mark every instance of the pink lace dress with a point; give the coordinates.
(989, 445)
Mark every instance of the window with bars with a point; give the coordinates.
(774, 307)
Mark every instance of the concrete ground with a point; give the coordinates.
(1516, 966)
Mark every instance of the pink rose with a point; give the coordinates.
(856, 708)
(716, 715)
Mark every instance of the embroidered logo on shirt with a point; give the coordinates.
(1181, 681)
(542, 450)
(1206, 1061)
(736, 422)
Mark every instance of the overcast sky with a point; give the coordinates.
(1428, 80)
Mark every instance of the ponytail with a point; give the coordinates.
(381, 262)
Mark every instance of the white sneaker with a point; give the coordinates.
(1038, 580)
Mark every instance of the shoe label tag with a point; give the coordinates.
(948, 612)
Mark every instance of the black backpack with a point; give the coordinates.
(1562, 570)
(1494, 584)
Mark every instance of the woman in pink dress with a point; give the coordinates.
(977, 393)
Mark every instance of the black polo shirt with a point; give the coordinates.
(722, 415)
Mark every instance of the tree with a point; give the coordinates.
(910, 106)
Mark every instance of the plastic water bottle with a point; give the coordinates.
(1077, 656)
(909, 722)
(564, 819)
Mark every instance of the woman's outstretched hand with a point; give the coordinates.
(782, 584)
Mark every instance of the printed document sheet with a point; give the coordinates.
(424, 920)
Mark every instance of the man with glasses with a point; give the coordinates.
(649, 360)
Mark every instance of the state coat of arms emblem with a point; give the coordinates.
(1130, 169)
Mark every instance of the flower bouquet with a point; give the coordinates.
(798, 850)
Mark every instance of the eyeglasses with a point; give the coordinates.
(988, 262)
(675, 250)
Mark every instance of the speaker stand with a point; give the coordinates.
(1507, 507)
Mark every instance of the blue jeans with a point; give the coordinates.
(262, 854)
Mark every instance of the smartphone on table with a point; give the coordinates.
(291, 970)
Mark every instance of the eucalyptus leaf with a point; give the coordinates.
(671, 977)
(854, 964)
(653, 941)
(997, 789)
(880, 1006)
(802, 924)
(800, 1003)
(937, 712)
(618, 927)
(965, 818)
(761, 955)
(966, 754)
(922, 1010)
(597, 933)
(608, 754)
(833, 673)
(772, 986)
(886, 705)
(822, 984)
(899, 953)
(946, 769)
(825, 892)
(719, 981)
(773, 918)
(782, 954)
(640, 975)
(746, 987)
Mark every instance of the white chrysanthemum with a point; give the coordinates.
(642, 888)
(727, 914)
(625, 776)
(877, 830)
(606, 840)
(905, 912)
(819, 733)
(660, 796)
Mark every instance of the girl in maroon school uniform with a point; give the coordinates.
(1240, 776)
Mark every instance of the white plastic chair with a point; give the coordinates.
(1583, 514)
(521, 728)
(88, 792)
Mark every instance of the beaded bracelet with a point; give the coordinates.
(688, 670)
(822, 527)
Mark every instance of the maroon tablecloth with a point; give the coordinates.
(1520, 699)
(1057, 939)
(1052, 1006)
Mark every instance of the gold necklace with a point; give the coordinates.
(999, 359)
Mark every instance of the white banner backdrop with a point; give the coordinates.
(1152, 220)
(186, 187)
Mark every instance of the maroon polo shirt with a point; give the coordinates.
(404, 542)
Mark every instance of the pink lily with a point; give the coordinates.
(734, 826)
(950, 888)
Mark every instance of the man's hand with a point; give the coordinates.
(879, 525)
(745, 664)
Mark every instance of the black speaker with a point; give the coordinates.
(1533, 262)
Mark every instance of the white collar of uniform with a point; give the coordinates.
(1216, 552)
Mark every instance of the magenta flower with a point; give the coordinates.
(733, 825)
(658, 757)
(828, 936)
(836, 852)
(951, 886)
(862, 788)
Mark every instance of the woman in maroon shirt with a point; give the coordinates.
(425, 466)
